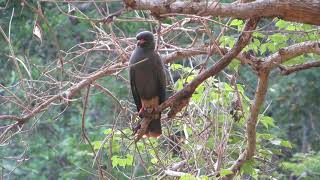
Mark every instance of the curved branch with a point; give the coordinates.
(285, 54)
(251, 124)
(303, 11)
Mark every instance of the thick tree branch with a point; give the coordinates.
(299, 67)
(252, 123)
(285, 54)
(304, 11)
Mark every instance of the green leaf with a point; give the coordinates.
(154, 160)
(115, 160)
(278, 38)
(236, 22)
(265, 136)
(176, 66)
(267, 121)
(265, 152)
(129, 159)
(225, 172)
(107, 131)
(227, 41)
(258, 35)
(204, 177)
(286, 144)
(296, 60)
(188, 177)
(123, 162)
(234, 65)
(247, 167)
(263, 48)
(291, 27)
(96, 145)
(282, 24)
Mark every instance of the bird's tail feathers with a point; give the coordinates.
(154, 128)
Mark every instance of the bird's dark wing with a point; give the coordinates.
(161, 77)
(134, 91)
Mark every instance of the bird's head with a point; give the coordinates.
(145, 39)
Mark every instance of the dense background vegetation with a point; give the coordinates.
(53, 145)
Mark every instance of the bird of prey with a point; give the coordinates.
(147, 80)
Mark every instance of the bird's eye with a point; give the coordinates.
(141, 41)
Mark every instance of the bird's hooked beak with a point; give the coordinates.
(141, 42)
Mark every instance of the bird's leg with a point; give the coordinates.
(150, 112)
(136, 128)
(142, 111)
(146, 111)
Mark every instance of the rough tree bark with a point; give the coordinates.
(303, 11)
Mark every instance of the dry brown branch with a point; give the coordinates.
(294, 68)
(304, 11)
(106, 91)
(184, 94)
(185, 53)
(66, 95)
